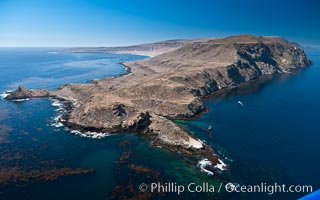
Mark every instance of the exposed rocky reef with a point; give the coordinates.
(172, 85)
(25, 93)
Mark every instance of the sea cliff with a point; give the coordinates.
(170, 86)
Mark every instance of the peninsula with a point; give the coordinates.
(171, 86)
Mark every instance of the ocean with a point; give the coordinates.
(269, 128)
(273, 137)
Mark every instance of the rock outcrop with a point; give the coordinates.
(172, 85)
(25, 93)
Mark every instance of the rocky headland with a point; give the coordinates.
(170, 86)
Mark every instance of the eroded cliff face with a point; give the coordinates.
(224, 63)
(172, 85)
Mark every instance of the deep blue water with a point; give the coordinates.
(274, 137)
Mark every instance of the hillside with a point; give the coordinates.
(149, 49)
(172, 85)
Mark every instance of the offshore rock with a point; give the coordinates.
(172, 85)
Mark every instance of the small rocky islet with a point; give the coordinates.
(171, 86)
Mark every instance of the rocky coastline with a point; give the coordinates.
(170, 86)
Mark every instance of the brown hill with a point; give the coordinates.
(172, 85)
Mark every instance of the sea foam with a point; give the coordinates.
(203, 163)
(3, 95)
(19, 100)
(58, 120)
(89, 134)
(221, 165)
(56, 103)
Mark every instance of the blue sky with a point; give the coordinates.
(125, 22)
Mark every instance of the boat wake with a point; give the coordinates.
(240, 103)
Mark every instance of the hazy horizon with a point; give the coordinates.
(100, 23)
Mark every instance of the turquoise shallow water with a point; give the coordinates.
(28, 141)
(274, 137)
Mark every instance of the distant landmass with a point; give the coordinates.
(150, 49)
(170, 86)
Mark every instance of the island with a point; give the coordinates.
(171, 85)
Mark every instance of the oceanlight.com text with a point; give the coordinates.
(269, 189)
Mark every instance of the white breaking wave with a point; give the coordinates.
(3, 95)
(221, 165)
(59, 109)
(57, 125)
(18, 100)
(203, 163)
(89, 134)
(56, 103)
(59, 104)
(57, 121)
